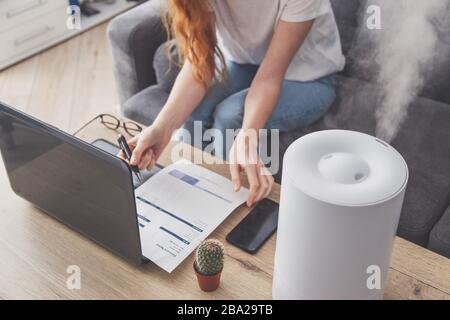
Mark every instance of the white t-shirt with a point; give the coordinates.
(245, 29)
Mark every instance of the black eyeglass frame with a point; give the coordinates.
(118, 123)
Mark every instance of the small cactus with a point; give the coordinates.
(209, 257)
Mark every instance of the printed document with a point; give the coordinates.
(179, 207)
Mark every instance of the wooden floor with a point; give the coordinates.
(65, 85)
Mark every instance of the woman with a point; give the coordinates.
(248, 64)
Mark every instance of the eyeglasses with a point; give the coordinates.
(114, 123)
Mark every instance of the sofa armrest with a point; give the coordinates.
(134, 37)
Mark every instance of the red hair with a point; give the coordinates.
(191, 23)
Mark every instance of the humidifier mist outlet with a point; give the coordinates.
(341, 198)
(343, 167)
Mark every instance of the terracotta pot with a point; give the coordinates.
(208, 283)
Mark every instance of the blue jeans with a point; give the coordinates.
(300, 103)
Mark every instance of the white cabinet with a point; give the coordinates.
(13, 13)
(23, 39)
(30, 26)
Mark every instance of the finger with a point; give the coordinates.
(253, 179)
(152, 164)
(235, 176)
(153, 161)
(264, 186)
(146, 160)
(271, 183)
(137, 154)
(265, 181)
(133, 142)
(158, 150)
(266, 173)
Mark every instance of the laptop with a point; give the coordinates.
(84, 186)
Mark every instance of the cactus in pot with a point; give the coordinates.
(208, 264)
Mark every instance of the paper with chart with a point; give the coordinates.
(179, 207)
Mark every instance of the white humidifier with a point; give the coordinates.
(341, 198)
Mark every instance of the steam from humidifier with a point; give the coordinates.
(405, 47)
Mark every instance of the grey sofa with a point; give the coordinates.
(144, 80)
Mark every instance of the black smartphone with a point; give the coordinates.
(251, 233)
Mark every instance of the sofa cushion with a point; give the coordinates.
(145, 106)
(166, 66)
(134, 37)
(440, 236)
(346, 13)
(427, 196)
(437, 77)
(423, 140)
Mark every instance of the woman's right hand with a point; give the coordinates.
(148, 146)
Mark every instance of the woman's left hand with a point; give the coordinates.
(244, 157)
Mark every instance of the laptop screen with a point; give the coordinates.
(76, 183)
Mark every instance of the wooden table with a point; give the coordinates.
(35, 251)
